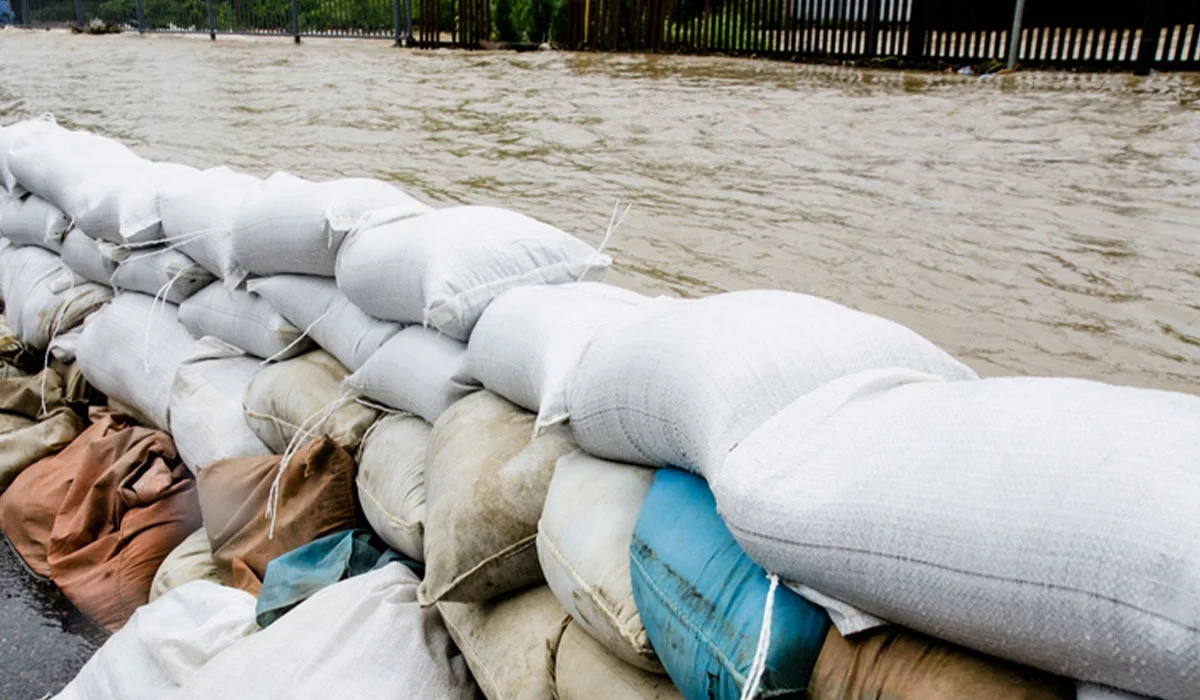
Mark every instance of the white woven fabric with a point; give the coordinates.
(13, 136)
(681, 382)
(33, 221)
(151, 271)
(418, 371)
(391, 481)
(443, 268)
(1052, 522)
(131, 350)
(42, 298)
(206, 406)
(528, 341)
(198, 214)
(364, 638)
(289, 225)
(316, 304)
(242, 319)
(93, 260)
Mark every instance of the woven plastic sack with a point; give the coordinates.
(243, 320)
(318, 306)
(166, 273)
(131, 351)
(442, 269)
(42, 298)
(418, 371)
(391, 481)
(12, 136)
(33, 221)
(681, 382)
(528, 341)
(983, 513)
(93, 260)
(198, 214)
(585, 670)
(190, 561)
(289, 225)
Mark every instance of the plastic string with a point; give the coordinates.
(302, 336)
(759, 666)
(614, 223)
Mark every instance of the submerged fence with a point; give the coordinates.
(1139, 35)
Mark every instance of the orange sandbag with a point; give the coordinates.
(317, 497)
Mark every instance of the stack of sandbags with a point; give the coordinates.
(1052, 522)
(35, 421)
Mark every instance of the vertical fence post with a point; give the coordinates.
(396, 20)
(296, 20)
(872, 28)
(408, 36)
(212, 22)
(140, 13)
(26, 17)
(1148, 47)
(916, 30)
(1014, 39)
(79, 12)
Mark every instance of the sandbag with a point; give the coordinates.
(681, 382)
(702, 599)
(486, 479)
(198, 215)
(24, 445)
(443, 268)
(1013, 486)
(316, 498)
(364, 638)
(206, 407)
(509, 643)
(131, 350)
(585, 670)
(391, 481)
(190, 561)
(243, 320)
(33, 221)
(93, 260)
(164, 643)
(528, 341)
(289, 225)
(41, 298)
(418, 370)
(12, 136)
(304, 393)
(583, 545)
(317, 305)
(161, 271)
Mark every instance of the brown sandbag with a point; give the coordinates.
(316, 498)
(130, 502)
(898, 664)
(22, 446)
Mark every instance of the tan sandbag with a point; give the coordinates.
(23, 395)
(316, 498)
(285, 395)
(75, 387)
(11, 421)
(897, 664)
(486, 478)
(25, 445)
(585, 670)
(509, 643)
(391, 481)
(190, 561)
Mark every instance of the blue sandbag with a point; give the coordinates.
(701, 599)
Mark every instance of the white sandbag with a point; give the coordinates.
(681, 382)
(586, 671)
(289, 225)
(42, 298)
(244, 320)
(92, 260)
(1051, 522)
(206, 406)
(161, 271)
(305, 393)
(510, 643)
(198, 215)
(362, 638)
(12, 136)
(443, 268)
(316, 304)
(122, 207)
(391, 481)
(131, 350)
(528, 341)
(33, 221)
(583, 544)
(417, 370)
(190, 561)
(164, 643)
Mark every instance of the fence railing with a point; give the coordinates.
(1138, 35)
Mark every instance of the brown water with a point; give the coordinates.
(1030, 224)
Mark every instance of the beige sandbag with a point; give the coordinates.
(295, 392)
(190, 561)
(509, 643)
(22, 447)
(391, 481)
(586, 671)
(486, 479)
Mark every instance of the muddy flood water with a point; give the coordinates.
(1030, 224)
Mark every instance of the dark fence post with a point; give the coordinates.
(872, 28)
(408, 37)
(1151, 31)
(1014, 38)
(141, 16)
(26, 17)
(396, 19)
(212, 22)
(296, 20)
(79, 12)
(916, 30)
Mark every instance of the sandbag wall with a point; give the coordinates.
(434, 436)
